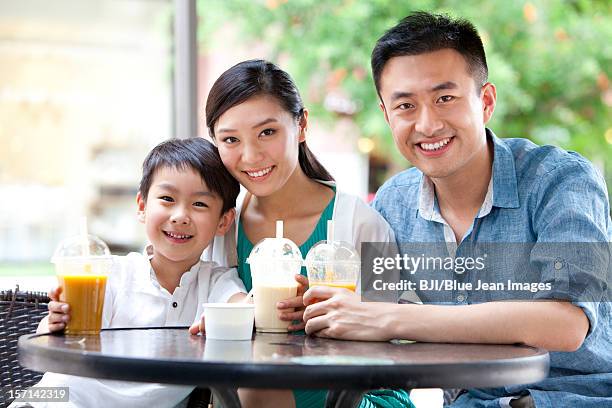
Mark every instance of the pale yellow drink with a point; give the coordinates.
(265, 297)
(274, 263)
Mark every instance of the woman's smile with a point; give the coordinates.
(259, 174)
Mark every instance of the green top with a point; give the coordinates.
(316, 398)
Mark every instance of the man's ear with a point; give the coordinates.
(226, 221)
(141, 207)
(489, 97)
(303, 125)
(381, 105)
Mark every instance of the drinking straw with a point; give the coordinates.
(84, 236)
(329, 270)
(330, 230)
(279, 228)
(85, 244)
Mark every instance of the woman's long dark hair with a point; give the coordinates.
(258, 77)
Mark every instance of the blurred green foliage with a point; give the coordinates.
(550, 59)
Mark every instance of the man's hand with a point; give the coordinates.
(342, 315)
(293, 308)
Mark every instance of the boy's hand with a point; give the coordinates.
(236, 298)
(293, 308)
(198, 327)
(59, 312)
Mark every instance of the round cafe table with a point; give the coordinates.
(346, 368)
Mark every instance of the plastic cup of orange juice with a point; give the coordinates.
(82, 265)
(333, 263)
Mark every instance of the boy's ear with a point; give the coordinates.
(141, 207)
(226, 221)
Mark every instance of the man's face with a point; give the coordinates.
(436, 115)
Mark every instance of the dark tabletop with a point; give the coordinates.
(172, 355)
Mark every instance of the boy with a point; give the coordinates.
(186, 196)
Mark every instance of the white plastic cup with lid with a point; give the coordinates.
(274, 263)
(82, 265)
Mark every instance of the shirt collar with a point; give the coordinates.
(505, 190)
(186, 278)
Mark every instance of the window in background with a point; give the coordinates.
(85, 92)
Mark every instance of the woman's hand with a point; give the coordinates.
(59, 312)
(342, 315)
(293, 308)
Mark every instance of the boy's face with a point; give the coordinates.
(435, 114)
(181, 215)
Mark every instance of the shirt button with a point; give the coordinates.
(558, 265)
(460, 297)
(174, 304)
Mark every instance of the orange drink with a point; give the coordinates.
(82, 264)
(346, 285)
(85, 295)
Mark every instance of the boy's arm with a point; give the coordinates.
(552, 325)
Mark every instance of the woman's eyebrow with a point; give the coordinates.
(264, 122)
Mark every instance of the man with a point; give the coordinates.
(469, 186)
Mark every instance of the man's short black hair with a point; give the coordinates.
(422, 32)
(195, 153)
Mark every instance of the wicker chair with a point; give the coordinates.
(20, 313)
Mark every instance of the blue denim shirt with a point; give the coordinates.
(539, 194)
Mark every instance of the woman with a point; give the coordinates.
(255, 115)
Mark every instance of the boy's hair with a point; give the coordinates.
(196, 153)
(421, 32)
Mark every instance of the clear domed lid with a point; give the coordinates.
(275, 260)
(79, 247)
(275, 249)
(332, 253)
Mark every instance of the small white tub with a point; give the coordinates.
(229, 321)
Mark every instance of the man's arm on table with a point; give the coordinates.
(552, 325)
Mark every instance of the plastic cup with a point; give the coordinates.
(82, 264)
(274, 263)
(333, 263)
(229, 321)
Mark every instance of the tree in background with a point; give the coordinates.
(550, 59)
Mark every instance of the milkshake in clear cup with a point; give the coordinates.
(82, 264)
(274, 263)
(333, 263)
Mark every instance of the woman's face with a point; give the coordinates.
(258, 142)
